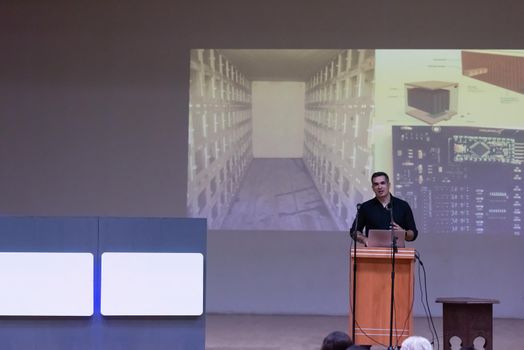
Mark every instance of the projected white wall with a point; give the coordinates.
(446, 124)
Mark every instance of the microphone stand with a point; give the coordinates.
(354, 236)
(394, 250)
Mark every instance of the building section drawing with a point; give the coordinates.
(461, 179)
(504, 70)
(220, 128)
(337, 142)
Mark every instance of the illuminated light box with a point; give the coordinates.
(46, 284)
(152, 284)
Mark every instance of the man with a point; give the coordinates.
(376, 213)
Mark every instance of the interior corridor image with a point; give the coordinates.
(279, 139)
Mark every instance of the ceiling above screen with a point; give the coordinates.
(279, 65)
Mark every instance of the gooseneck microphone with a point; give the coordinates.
(354, 282)
(389, 207)
(353, 231)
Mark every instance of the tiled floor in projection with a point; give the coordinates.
(278, 194)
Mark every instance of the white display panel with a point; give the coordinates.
(46, 284)
(152, 284)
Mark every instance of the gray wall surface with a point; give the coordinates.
(94, 116)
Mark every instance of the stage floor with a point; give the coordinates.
(266, 332)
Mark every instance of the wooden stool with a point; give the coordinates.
(468, 318)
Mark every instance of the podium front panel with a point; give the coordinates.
(373, 295)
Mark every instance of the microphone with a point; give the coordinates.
(353, 230)
(389, 207)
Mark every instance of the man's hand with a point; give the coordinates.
(409, 234)
(397, 227)
(362, 239)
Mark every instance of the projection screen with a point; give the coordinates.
(288, 139)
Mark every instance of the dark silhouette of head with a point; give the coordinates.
(336, 341)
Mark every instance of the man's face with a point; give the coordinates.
(380, 186)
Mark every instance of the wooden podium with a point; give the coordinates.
(374, 295)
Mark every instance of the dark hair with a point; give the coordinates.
(336, 341)
(379, 173)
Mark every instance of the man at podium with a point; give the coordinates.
(376, 221)
(384, 212)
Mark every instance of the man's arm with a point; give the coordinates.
(407, 224)
(411, 227)
(356, 231)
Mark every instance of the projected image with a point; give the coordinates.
(445, 96)
(288, 139)
(279, 139)
(501, 68)
(461, 179)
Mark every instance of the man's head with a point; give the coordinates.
(336, 341)
(416, 343)
(380, 185)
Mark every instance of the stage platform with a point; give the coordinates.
(267, 332)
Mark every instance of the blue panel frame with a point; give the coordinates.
(38, 234)
(98, 235)
(152, 235)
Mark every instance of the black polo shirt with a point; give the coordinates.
(373, 215)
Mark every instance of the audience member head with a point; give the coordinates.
(336, 341)
(416, 343)
(359, 347)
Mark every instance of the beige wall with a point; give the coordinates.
(278, 119)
